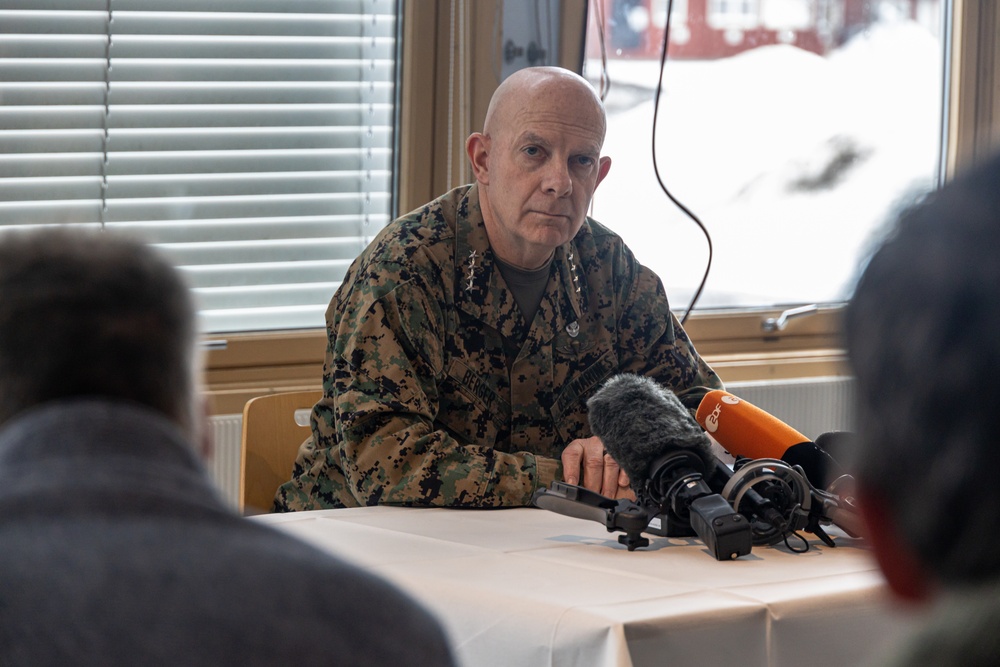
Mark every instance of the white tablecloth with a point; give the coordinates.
(523, 587)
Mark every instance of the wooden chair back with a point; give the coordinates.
(274, 426)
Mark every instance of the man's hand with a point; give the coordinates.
(587, 459)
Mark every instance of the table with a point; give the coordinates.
(522, 587)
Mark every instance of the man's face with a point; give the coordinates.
(543, 167)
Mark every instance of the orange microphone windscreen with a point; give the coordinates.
(743, 429)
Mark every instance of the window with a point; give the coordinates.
(732, 14)
(794, 129)
(700, 159)
(251, 140)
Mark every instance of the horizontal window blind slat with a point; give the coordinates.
(86, 18)
(52, 94)
(187, 185)
(49, 165)
(306, 136)
(353, 47)
(251, 23)
(59, 187)
(164, 139)
(44, 47)
(193, 115)
(194, 208)
(172, 91)
(171, 47)
(54, 7)
(50, 211)
(52, 69)
(195, 69)
(52, 117)
(284, 251)
(267, 296)
(206, 162)
(357, 7)
(352, 160)
(263, 319)
(245, 69)
(248, 92)
(238, 229)
(370, 169)
(260, 273)
(226, 185)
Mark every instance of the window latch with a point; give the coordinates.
(775, 324)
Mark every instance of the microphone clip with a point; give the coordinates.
(616, 515)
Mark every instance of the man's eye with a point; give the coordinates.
(532, 151)
(585, 161)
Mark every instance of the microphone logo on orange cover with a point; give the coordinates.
(712, 420)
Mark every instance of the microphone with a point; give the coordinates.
(745, 430)
(669, 461)
(639, 421)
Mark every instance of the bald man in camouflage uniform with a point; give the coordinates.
(465, 340)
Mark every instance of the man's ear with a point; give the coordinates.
(477, 146)
(603, 167)
(907, 576)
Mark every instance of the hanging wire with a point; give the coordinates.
(463, 95)
(458, 68)
(495, 40)
(656, 169)
(550, 56)
(544, 45)
(451, 94)
(538, 27)
(107, 112)
(605, 84)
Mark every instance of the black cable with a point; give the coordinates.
(495, 40)
(805, 543)
(605, 86)
(656, 169)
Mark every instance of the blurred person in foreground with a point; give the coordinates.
(465, 340)
(923, 333)
(115, 547)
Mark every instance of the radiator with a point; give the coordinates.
(811, 406)
(224, 463)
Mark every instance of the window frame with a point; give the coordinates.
(732, 341)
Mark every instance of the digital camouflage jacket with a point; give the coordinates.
(421, 404)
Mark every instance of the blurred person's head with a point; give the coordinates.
(89, 314)
(538, 161)
(923, 334)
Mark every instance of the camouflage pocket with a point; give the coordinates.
(470, 406)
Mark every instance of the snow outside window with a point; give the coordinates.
(795, 154)
(251, 140)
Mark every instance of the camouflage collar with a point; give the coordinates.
(481, 291)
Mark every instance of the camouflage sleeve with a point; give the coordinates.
(382, 386)
(651, 339)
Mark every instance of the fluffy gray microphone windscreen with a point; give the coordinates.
(638, 420)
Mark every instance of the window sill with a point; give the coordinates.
(733, 344)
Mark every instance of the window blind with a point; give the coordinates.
(250, 140)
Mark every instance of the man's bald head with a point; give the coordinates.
(531, 87)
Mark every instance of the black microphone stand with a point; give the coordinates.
(676, 501)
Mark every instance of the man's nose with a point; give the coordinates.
(557, 179)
